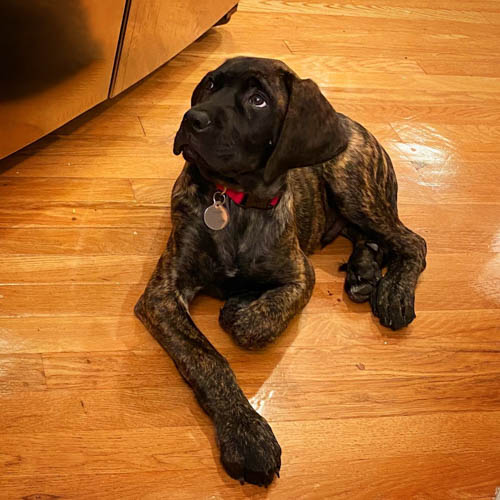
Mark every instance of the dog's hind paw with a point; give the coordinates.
(249, 451)
(363, 272)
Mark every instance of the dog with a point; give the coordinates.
(272, 173)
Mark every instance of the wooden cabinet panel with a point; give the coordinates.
(157, 30)
(57, 62)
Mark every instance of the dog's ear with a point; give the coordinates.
(311, 132)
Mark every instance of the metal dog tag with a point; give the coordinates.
(216, 216)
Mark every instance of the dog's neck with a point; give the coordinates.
(248, 200)
(250, 190)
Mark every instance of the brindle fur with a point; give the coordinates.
(259, 265)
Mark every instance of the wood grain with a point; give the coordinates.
(70, 241)
(49, 189)
(113, 269)
(294, 365)
(393, 476)
(150, 449)
(116, 299)
(473, 330)
(77, 81)
(384, 10)
(147, 43)
(91, 406)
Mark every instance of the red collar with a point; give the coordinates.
(248, 200)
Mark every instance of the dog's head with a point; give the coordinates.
(252, 120)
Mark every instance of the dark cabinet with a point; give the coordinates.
(60, 58)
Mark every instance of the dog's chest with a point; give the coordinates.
(248, 241)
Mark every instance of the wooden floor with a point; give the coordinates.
(91, 407)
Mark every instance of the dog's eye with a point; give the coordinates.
(210, 85)
(257, 100)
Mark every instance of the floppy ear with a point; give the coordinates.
(311, 132)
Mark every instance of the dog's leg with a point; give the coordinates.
(393, 301)
(365, 189)
(364, 267)
(249, 450)
(255, 319)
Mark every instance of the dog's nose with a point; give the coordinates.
(197, 119)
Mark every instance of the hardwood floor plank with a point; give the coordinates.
(104, 121)
(457, 28)
(376, 45)
(192, 67)
(110, 409)
(466, 5)
(119, 299)
(64, 269)
(134, 269)
(212, 40)
(391, 109)
(144, 450)
(85, 215)
(301, 365)
(136, 148)
(50, 189)
(400, 477)
(358, 9)
(439, 83)
(81, 242)
(21, 372)
(152, 190)
(474, 330)
(481, 66)
(99, 165)
(492, 17)
(453, 136)
(169, 403)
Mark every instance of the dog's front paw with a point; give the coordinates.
(393, 302)
(247, 320)
(249, 450)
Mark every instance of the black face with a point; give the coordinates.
(235, 121)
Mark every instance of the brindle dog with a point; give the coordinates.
(255, 126)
